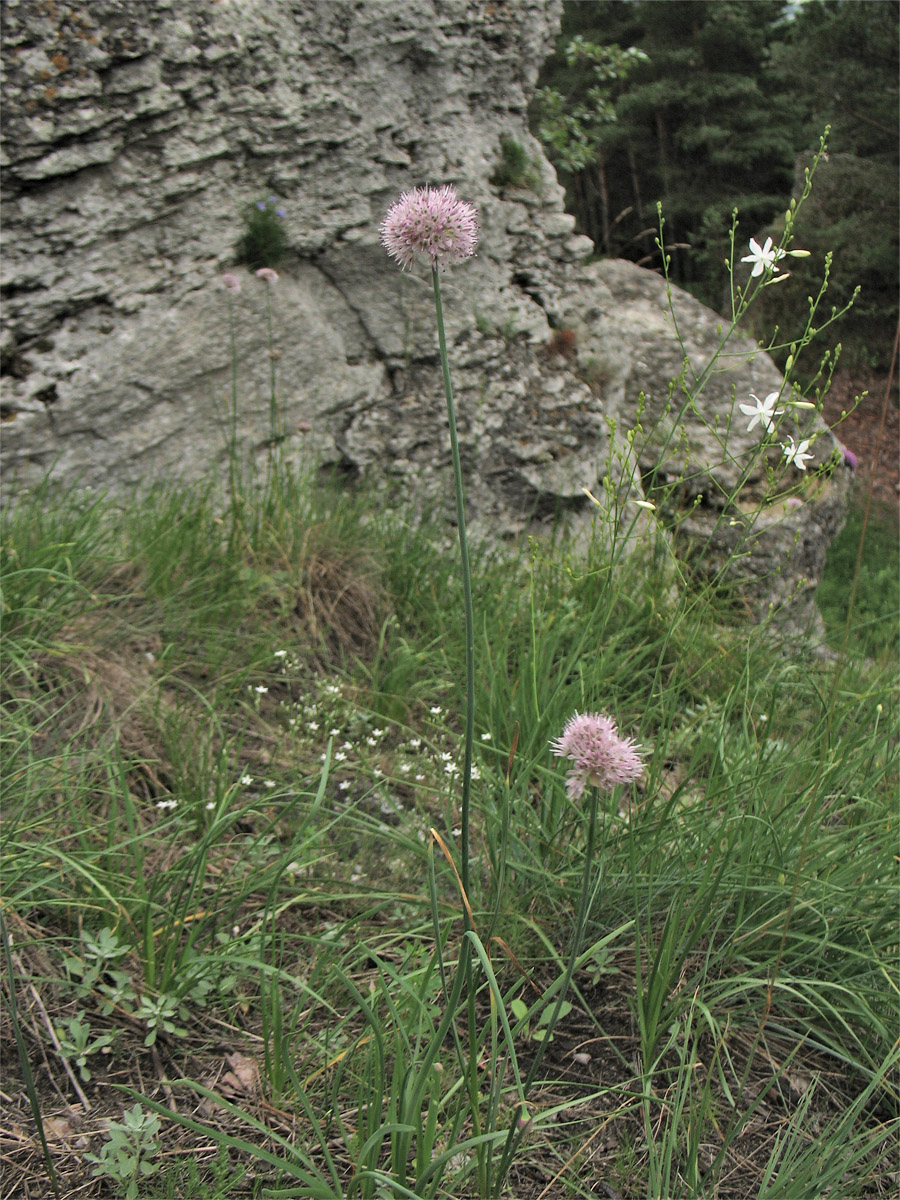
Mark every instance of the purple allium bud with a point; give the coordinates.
(231, 283)
(433, 222)
(598, 754)
(267, 274)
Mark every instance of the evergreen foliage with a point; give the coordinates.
(708, 105)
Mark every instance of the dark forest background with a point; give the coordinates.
(708, 105)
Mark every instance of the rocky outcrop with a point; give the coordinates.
(135, 135)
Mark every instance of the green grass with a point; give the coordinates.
(872, 625)
(223, 760)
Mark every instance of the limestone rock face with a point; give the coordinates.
(136, 134)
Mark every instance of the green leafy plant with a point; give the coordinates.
(128, 1154)
(159, 1014)
(264, 241)
(516, 168)
(537, 1030)
(74, 1035)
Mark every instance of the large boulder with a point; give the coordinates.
(136, 135)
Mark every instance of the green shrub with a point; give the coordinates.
(264, 241)
(515, 168)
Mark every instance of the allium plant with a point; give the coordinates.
(232, 286)
(598, 754)
(435, 225)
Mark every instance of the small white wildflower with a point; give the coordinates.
(476, 774)
(268, 783)
(340, 756)
(420, 778)
(377, 771)
(260, 690)
(436, 710)
(378, 733)
(762, 412)
(485, 737)
(764, 258)
(210, 805)
(280, 654)
(796, 453)
(405, 768)
(312, 726)
(246, 780)
(344, 785)
(167, 804)
(446, 756)
(370, 741)
(334, 733)
(414, 743)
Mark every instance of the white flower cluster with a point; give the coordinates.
(763, 412)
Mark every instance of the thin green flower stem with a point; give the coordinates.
(471, 1013)
(233, 471)
(274, 424)
(467, 595)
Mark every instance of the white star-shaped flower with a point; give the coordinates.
(796, 453)
(762, 412)
(764, 258)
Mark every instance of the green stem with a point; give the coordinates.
(274, 424)
(467, 594)
(233, 467)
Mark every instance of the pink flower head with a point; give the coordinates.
(267, 274)
(598, 754)
(433, 222)
(231, 283)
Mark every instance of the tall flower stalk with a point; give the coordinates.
(270, 277)
(434, 224)
(232, 286)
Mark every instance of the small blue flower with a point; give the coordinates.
(261, 205)
(279, 212)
